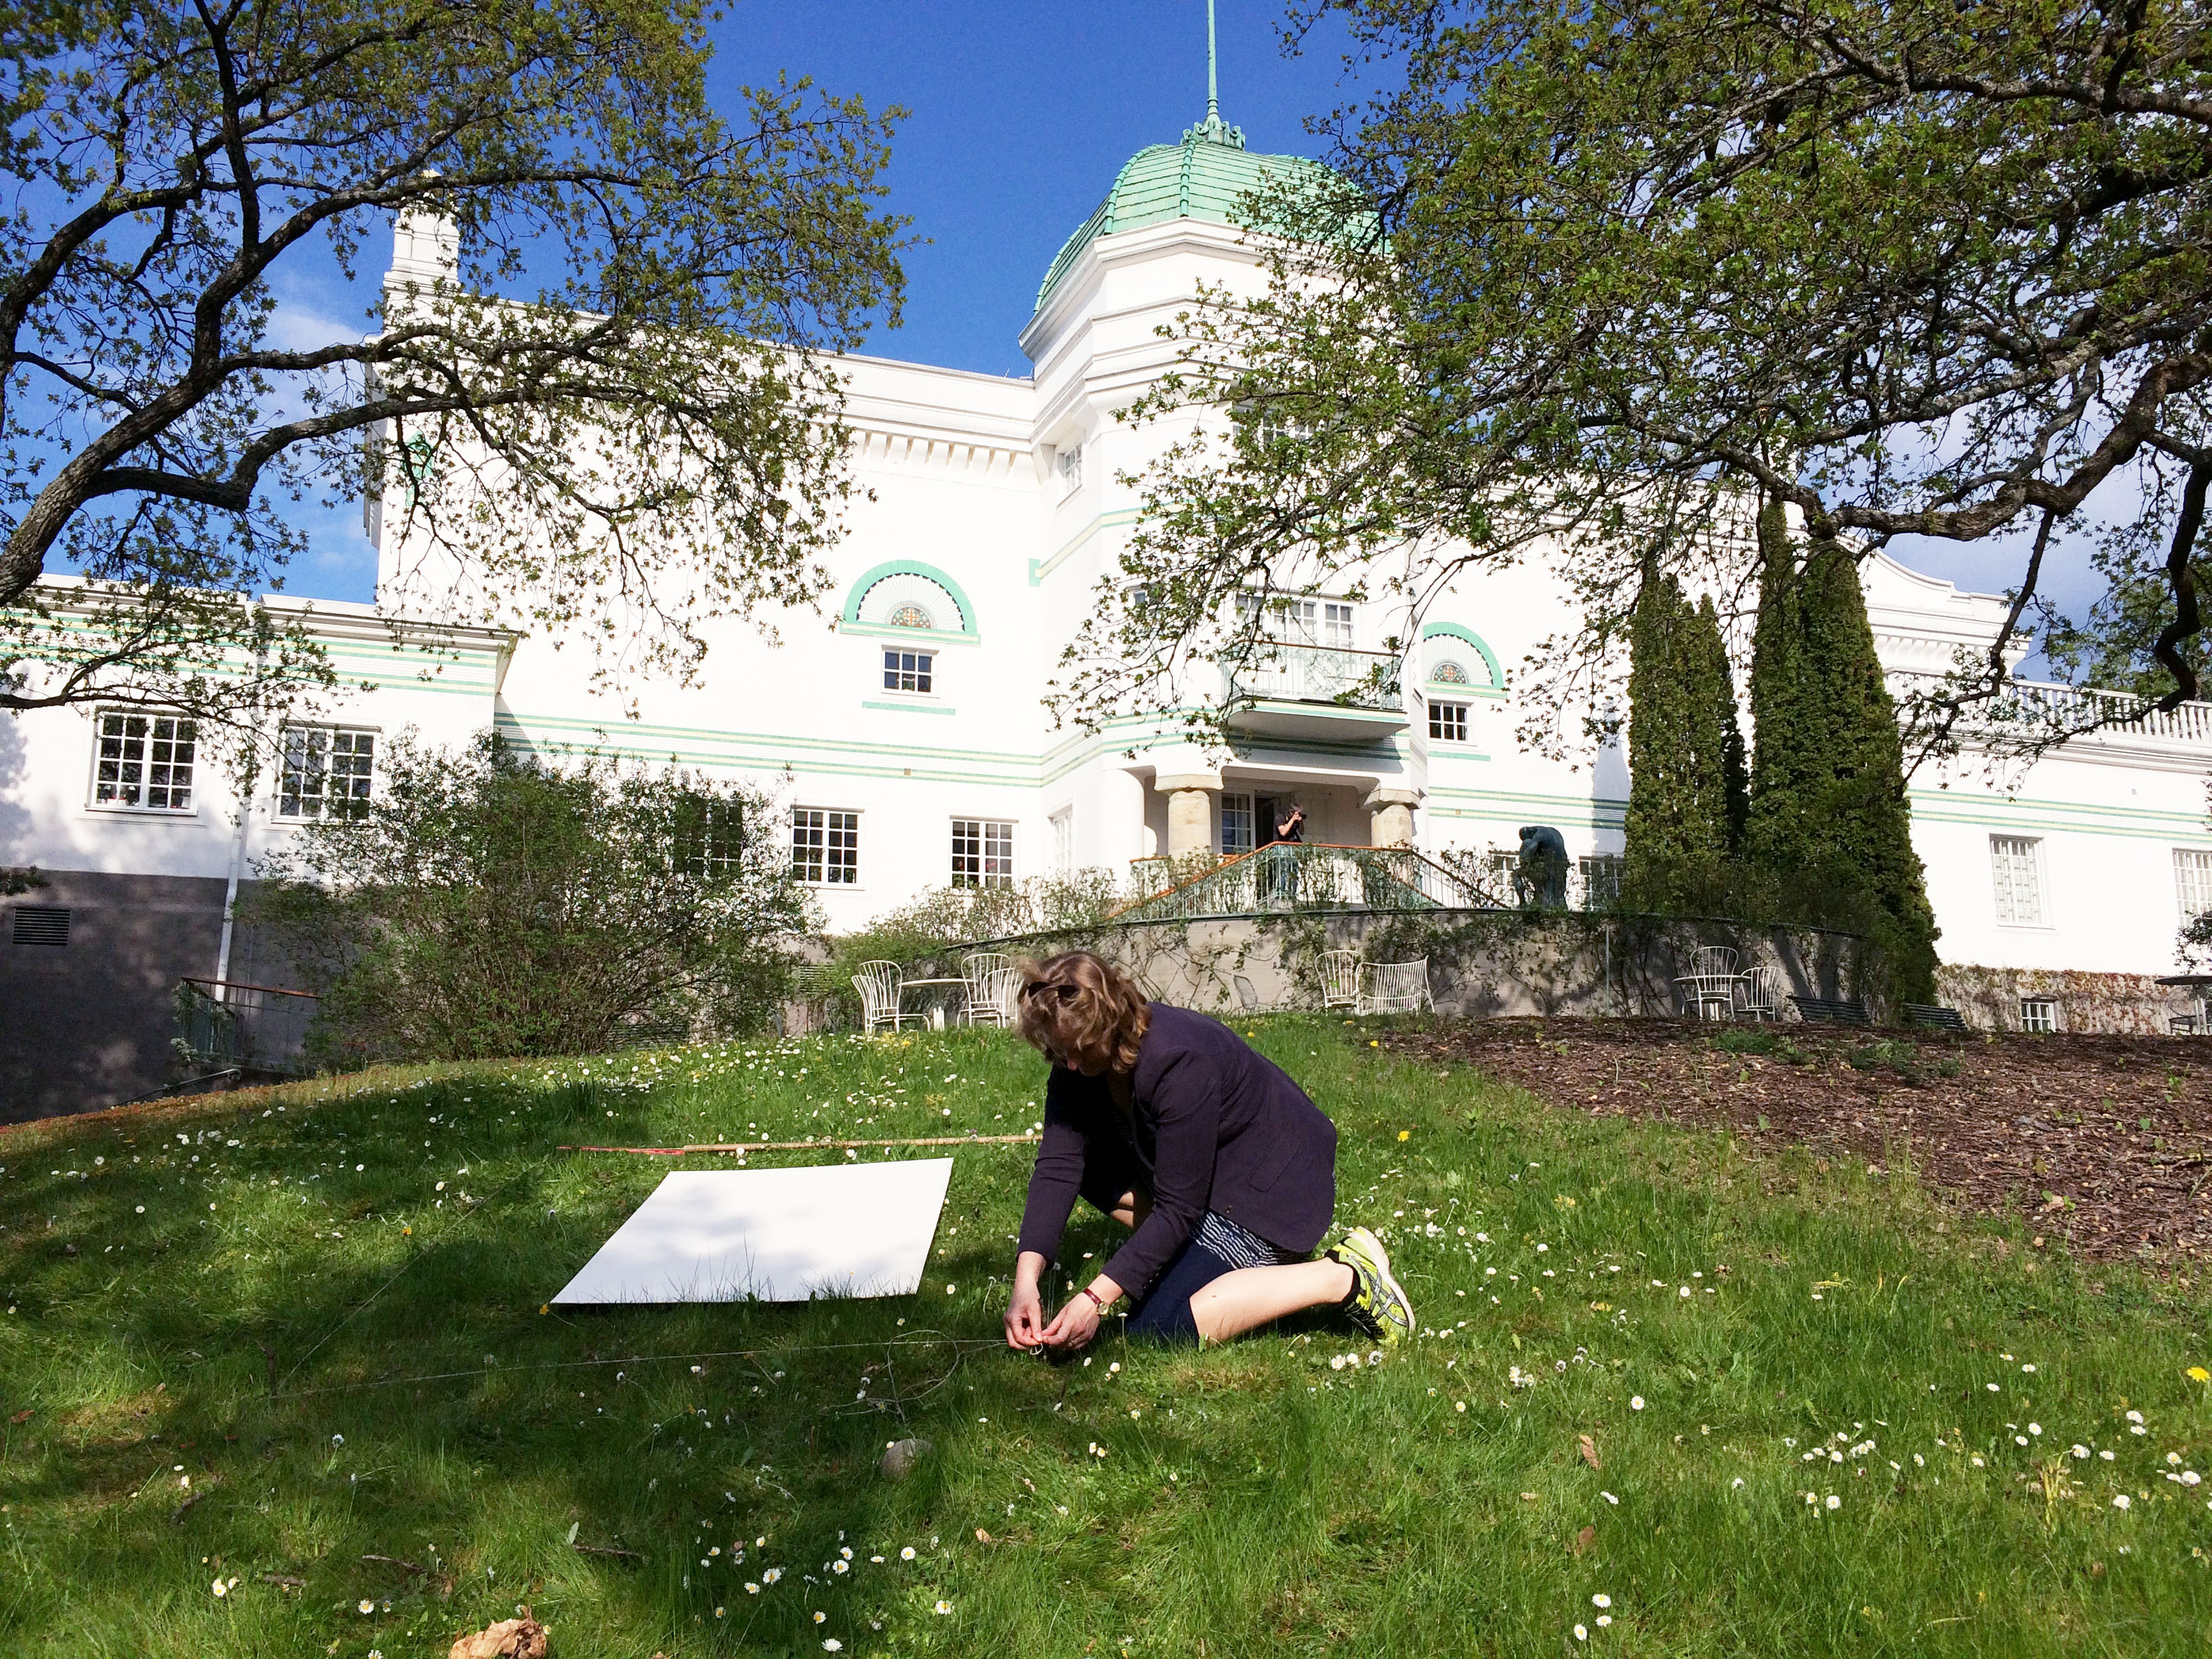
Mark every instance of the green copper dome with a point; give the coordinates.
(1207, 176)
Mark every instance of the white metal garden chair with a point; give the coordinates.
(980, 970)
(1755, 997)
(1710, 987)
(995, 1002)
(879, 984)
(1394, 988)
(1340, 979)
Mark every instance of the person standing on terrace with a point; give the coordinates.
(1222, 1169)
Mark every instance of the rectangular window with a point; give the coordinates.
(1063, 840)
(2037, 1014)
(709, 837)
(1336, 626)
(1448, 722)
(327, 772)
(1600, 880)
(982, 852)
(908, 671)
(1069, 461)
(1235, 825)
(145, 762)
(825, 846)
(2192, 883)
(1303, 621)
(2015, 862)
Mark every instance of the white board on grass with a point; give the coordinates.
(856, 1229)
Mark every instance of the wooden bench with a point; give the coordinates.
(1928, 1014)
(1826, 1011)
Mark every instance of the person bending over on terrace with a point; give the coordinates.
(1220, 1166)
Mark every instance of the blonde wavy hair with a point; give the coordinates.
(1083, 1013)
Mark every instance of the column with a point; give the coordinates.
(1190, 810)
(1392, 823)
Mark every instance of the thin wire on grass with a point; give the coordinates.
(962, 1345)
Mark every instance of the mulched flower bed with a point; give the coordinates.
(2105, 1142)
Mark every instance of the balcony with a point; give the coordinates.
(1292, 690)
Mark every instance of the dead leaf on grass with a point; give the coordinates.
(510, 1638)
(1584, 1539)
(1589, 1450)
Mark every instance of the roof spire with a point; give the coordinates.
(1213, 129)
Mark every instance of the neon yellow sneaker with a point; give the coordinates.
(1378, 1304)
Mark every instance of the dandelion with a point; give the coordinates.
(2120, 1501)
(2198, 1374)
(1403, 1134)
(1636, 1402)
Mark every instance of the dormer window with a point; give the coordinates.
(1069, 463)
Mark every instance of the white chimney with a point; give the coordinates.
(426, 250)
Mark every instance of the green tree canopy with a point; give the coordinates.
(615, 411)
(1604, 274)
(489, 903)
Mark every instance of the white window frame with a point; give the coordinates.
(1067, 461)
(1062, 827)
(893, 665)
(146, 764)
(826, 821)
(1234, 803)
(2192, 883)
(2043, 1021)
(1333, 623)
(982, 852)
(1448, 721)
(284, 770)
(2009, 857)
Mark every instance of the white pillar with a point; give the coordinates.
(1190, 810)
(1392, 821)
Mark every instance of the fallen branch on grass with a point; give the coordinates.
(605, 1549)
(394, 1561)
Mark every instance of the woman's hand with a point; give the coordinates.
(1076, 1325)
(1025, 1311)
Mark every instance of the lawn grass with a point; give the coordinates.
(1265, 1497)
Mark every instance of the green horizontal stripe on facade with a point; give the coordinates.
(910, 707)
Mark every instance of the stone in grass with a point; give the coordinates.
(901, 1455)
(510, 1638)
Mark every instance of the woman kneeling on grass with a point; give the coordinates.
(1222, 1170)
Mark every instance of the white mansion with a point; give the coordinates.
(903, 729)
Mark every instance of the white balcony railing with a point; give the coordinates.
(2038, 711)
(1286, 670)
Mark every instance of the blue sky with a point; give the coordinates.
(1020, 115)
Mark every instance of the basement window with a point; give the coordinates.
(2039, 1014)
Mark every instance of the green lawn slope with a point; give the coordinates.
(277, 1376)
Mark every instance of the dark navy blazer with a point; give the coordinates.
(1214, 1126)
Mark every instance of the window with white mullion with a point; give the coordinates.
(328, 772)
(825, 846)
(982, 852)
(144, 763)
(2015, 865)
(2192, 882)
(1236, 823)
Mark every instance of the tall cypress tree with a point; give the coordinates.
(1716, 685)
(1827, 784)
(1679, 785)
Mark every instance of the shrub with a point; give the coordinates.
(489, 902)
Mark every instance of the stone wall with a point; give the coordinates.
(1481, 962)
(2134, 1005)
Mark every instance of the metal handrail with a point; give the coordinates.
(1311, 876)
(1299, 671)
